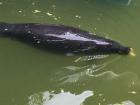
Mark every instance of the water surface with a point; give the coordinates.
(29, 76)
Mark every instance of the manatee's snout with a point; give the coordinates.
(120, 50)
(116, 47)
(124, 50)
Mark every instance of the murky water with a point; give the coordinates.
(29, 76)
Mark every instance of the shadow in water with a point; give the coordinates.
(83, 66)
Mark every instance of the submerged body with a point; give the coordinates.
(62, 38)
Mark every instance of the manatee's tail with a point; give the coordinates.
(3, 28)
(2, 24)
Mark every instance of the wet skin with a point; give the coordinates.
(62, 38)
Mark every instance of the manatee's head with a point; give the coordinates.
(123, 50)
(115, 47)
(126, 50)
(118, 50)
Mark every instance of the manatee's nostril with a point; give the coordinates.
(127, 50)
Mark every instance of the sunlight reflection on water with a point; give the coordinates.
(62, 98)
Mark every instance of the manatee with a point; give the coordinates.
(60, 38)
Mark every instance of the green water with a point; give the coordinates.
(28, 75)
